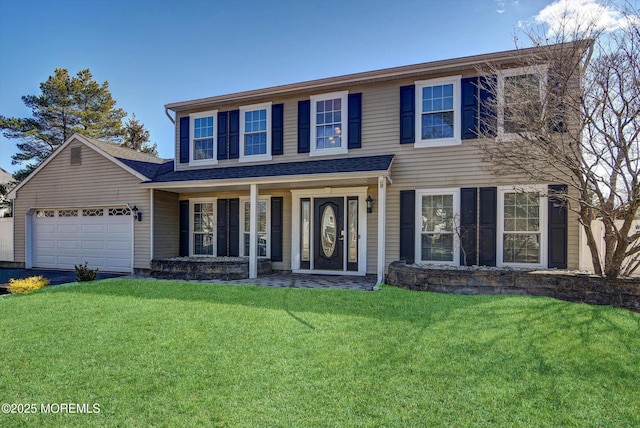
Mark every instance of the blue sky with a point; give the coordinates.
(154, 52)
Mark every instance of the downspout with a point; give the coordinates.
(166, 111)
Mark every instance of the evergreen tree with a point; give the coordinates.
(65, 105)
(136, 137)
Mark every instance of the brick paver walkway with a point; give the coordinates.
(299, 280)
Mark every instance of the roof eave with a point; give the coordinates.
(324, 84)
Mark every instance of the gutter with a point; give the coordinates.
(166, 111)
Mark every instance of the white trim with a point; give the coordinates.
(57, 151)
(457, 112)
(192, 118)
(540, 70)
(344, 111)
(268, 180)
(543, 225)
(213, 200)
(455, 192)
(382, 221)
(297, 195)
(255, 158)
(253, 235)
(151, 197)
(244, 200)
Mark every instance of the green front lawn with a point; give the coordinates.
(185, 354)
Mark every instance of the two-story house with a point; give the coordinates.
(342, 175)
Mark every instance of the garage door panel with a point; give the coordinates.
(104, 242)
(92, 228)
(67, 228)
(93, 245)
(119, 228)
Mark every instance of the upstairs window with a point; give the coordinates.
(438, 112)
(203, 140)
(520, 93)
(328, 124)
(255, 129)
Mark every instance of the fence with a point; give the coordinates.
(598, 233)
(6, 239)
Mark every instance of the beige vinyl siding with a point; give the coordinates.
(285, 264)
(413, 168)
(97, 181)
(166, 225)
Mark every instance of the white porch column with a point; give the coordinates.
(253, 232)
(382, 220)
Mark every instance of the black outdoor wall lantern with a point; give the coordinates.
(136, 213)
(369, 201)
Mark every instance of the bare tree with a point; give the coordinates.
(568, 111)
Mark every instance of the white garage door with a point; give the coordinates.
(62, 238)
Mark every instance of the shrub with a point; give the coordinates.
(21, 286)
(83, 273)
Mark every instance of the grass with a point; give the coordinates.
(160, 353)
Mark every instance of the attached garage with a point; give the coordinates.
(100, 236)
(84, 203)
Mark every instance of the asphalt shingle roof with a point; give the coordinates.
(325, 166)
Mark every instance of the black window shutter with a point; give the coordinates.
(223, 135)
(408, 114)
(488, 115)
(469, 97)
(488, 226)
(234, 227)
(277, 129)
(276, 228)
(222, 235)
(234, 134)
(184, 139)
(558, 217)
(304, 126)
(407, 225)
(468, 225)
(557, 91)
(184, 228)
(355, 121)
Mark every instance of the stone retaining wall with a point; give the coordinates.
(622, 293)
(225, 268)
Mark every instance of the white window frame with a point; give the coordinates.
(261, 198)
(457, 112)
(261, 157)
(455, 192)
(192, 119)
(541, 71)
(192, 202)
(344, 147)
(543, 225)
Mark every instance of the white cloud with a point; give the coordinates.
(571, 14)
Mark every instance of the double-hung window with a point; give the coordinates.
(264, 248)
(520, 91)
(438, 112)
(437, 213)
(203, 227)
(255, 131)
(328, 124)
(203, 138)
(522, 227)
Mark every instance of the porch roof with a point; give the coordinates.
(365, 166)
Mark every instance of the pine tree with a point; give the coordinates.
(136, 137)
(65, 105)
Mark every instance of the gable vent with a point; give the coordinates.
(76, 155)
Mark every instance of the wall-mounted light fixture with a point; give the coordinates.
(136, 213)
(369, 201)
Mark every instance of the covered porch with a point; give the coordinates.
(312, 217)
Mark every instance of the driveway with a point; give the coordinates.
(54, 276)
